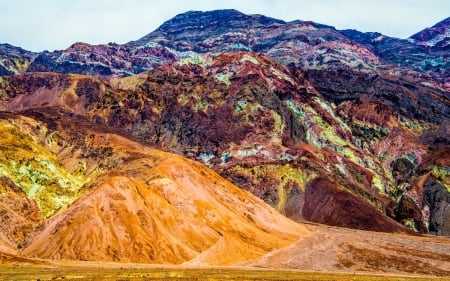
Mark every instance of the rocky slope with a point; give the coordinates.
(111, 59)
(268, 130)
(334, 127)
(437, 36)
(131, 203)
(14, 60)
(139, 204)
(340, 109)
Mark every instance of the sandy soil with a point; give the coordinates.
(347, 250)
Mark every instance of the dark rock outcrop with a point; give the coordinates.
(327, 202)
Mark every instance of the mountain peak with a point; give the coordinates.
(198, 25)
(438, 34)
(227, 17)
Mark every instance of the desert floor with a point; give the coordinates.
(69, 270)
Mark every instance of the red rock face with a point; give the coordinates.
(327, 202)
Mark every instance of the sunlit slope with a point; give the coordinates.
(170, 212)
(131, 203)
(28, 166)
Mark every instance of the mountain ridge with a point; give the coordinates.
(46, 63)
(295, 126)
(223, 139)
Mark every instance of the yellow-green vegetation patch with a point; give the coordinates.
(379, 183)
(279, 124)
(182, 99)
(3, 93)
(411, 225)
(36, 170)
(245, 107)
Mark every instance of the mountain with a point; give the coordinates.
(319, 47)
(140, 204)
(190, 31)
(111, 59)
(437, 36)
(264, 128)
(14, 60)
(131, 203)
(203, 141)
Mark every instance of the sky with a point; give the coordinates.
(38, 25)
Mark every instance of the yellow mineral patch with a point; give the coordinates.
(130, 82)
(36, 170)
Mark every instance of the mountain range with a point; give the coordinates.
(230, 139)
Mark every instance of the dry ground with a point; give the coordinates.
(110, 271)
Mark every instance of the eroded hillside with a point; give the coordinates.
(266, 128)
(131, 203)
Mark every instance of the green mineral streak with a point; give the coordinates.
(297, 110)
(412, 125)
(36, 170)
(324, 105)
(411, 225)
(325, 136)
(201, 106)
(238, 47)
(193, 59)
(239, 106)
(224, 77)
(330, 109)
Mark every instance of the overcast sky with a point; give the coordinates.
(55, 24)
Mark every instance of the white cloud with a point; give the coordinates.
(55, 24)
